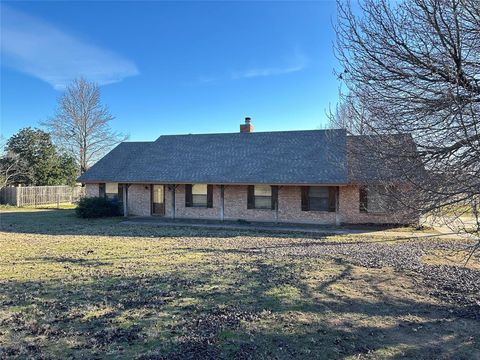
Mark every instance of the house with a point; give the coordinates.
(284, 176)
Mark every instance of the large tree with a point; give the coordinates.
(413, 66)
(81, 124)
(31, 158)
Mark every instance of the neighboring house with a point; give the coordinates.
(285, 176)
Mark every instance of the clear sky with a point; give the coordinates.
(172, 67)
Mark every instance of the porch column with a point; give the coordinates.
(338, 219)
(174, 187)
(276, 203)
(125, 200)
(222, 202)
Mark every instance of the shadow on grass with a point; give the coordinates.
(255, 310)
(66, 260)
(64, 222)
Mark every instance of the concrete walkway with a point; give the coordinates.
(286, 228)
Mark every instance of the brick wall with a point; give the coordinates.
(236, 206)
(235, 200)
(196, 212)
(139, 200)
(169, 201)
(349, 205)
(289, 206)
(91, 190)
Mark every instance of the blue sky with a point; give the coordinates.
(172, 67)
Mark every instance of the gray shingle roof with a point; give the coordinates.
(382, 158)
(284, 157)
(115, 163)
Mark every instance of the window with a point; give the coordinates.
(199, 195)
(111, 190)
(373, 199)
(319, 198)
(262, 197)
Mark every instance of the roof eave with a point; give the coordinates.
(214, 183)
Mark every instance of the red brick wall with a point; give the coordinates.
(289, 206)
(139, 200)
(349, 205)
(235, 208)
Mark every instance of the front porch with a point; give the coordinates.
(284, 204)
(320, 205)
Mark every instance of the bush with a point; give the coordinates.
(94, 207)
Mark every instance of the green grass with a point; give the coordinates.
(78, 288)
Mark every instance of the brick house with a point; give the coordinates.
(285, 176)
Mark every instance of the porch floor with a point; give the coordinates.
(375, 230)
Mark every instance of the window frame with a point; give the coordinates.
(331, 199)
(266, 198)
(196, 194)
(189, 196)
(112, 195)
(365, 195)
(272, 198)
(324, 198)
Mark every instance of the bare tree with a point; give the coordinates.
(349, 114)
(82, 124)
(12, 169)
(414, 67)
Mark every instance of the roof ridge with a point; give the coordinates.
(256, 133)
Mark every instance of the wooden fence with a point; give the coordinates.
(40, 195)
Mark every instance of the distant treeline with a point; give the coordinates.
(31, 158)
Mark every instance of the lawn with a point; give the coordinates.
(75, 288)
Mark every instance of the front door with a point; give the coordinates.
(158, 200)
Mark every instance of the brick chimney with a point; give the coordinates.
(247, 127)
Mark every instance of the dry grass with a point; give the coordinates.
(74, 288)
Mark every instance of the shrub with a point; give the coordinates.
(94, 207)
